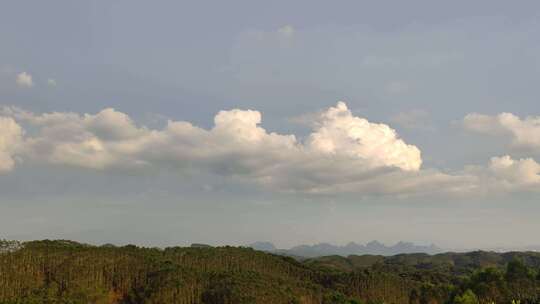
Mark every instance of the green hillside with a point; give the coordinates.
(70, 272)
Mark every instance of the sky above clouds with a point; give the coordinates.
(175, 122)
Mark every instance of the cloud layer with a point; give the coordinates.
(343, 153)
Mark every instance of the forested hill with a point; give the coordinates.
(450, 262)
(70, 272)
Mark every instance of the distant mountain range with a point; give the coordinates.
(325, 249)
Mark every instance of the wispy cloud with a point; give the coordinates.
(413, 119)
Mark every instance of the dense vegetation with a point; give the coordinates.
(69, 272)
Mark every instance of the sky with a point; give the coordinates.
(297, 122)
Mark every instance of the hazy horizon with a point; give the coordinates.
(177, 122)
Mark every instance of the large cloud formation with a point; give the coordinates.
(524, 132)
(343, 153)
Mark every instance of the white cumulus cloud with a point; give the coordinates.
(24, 80)
(340, 148)
(339, 132)
(286, 31)
(10, 139)
(523, 132)
(522, 172)
(506, 174)
(343, 153)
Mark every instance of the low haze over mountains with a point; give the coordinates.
(325, 249)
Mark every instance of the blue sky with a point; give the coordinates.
(437, 138)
